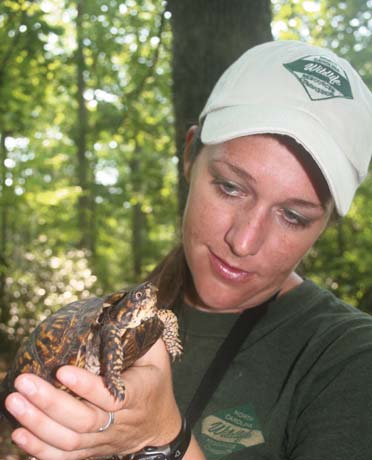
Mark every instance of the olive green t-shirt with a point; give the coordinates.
(300, 388)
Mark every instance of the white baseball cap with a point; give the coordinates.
(303, 91)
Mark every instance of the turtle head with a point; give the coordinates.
(138, 305)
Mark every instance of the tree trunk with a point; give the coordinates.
(138, 220)
(4, 231)
(207, 37)
(81, 134)
(138, 223)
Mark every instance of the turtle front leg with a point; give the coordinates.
(170, 333)
(112, 360)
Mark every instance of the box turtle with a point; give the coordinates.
(104, 335)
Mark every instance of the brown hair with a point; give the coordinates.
(310, 166)
(172, 275)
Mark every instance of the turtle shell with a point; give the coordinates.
(104, 335)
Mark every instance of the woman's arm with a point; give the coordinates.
(58, 426)
(194, 451)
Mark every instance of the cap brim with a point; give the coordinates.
(236, 121)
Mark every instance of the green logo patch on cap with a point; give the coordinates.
(321, 77)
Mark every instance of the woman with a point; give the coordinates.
(283, 143)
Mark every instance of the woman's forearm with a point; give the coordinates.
(194, 451)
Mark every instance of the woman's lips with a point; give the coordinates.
(226, 271)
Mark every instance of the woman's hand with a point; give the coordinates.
(58, 426)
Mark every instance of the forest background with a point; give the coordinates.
(89, 160)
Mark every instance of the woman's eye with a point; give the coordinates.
(293, 219)
(227, 188)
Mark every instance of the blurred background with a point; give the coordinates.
(95, 100)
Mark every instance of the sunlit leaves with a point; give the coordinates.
(42, 281)
(23, 62)
(129, 135)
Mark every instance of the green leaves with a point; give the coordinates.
(130, 179)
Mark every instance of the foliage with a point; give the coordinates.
(25, 66)
(41, 282)
(129, 153)
(127, 96)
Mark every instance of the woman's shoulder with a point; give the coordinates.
(320, 304)
(329, 329)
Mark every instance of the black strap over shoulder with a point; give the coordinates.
(223, 358)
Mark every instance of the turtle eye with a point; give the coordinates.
(138, 295)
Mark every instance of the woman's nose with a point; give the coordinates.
(247, 233)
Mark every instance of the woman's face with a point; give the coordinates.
(252, 214)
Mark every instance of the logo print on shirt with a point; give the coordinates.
(321, 77)
(229, 431)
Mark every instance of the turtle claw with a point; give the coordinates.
(117, 388)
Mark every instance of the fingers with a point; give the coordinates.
(31, 417)
(89, 387)
(59, 426)
(36, 396)
(40, 450)
(48, 439)
(33, 446)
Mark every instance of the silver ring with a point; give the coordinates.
(109, 422)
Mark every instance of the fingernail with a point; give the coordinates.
(19, 438)
(17, 406)
(27, 387)
(67, 377)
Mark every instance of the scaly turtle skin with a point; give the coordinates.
(104, 335)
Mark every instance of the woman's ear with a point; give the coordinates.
(187, 160)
